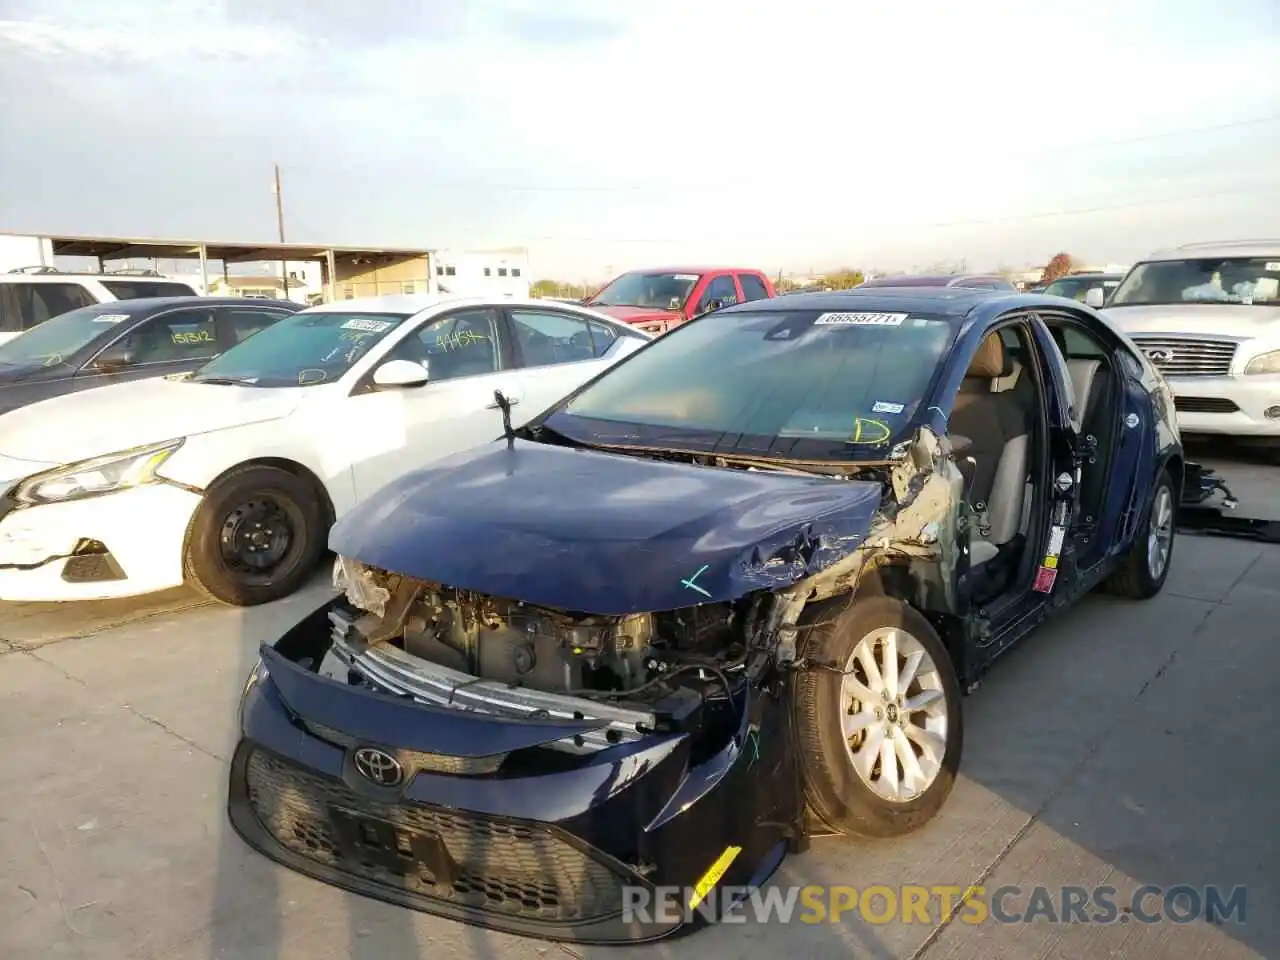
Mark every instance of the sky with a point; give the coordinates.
(609, 135)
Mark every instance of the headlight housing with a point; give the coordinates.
(1264, 363)
(91, 478)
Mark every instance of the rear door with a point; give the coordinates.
(753, 287)
(556, 352)
(237, 324)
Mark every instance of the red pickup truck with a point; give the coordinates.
(657, 300)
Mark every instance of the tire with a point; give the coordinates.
(837, 794)
(220, 552)
(1135, 578)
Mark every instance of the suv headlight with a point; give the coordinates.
(1264, 363)
(89, 478)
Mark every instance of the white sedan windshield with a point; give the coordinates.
(302, 350)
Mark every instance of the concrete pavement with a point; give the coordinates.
(1127, 743)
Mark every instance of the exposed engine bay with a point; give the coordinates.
(522, 645)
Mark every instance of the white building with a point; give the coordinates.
(504, 271)
(18, 252)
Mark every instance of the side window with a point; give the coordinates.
(753, 287)
(545, 338)
(602, 337)
(722, 289)
(243, 324)
(459, 344)
(181, 335)
(37, 302)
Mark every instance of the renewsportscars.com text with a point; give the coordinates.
(933, 905)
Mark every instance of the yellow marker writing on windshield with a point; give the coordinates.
(869, 432)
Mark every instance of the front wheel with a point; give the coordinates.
(257, 537)
(1146, 566)
(880, 731)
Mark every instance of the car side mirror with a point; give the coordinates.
(712, 306)
(1095, 297)
(400, 373)
(116, 356)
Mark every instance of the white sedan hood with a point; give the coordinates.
(78, 426)
(1201, 319)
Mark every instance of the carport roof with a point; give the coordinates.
(119, 248)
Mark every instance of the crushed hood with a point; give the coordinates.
(604, 533)
(94, 422)
(1202, 319)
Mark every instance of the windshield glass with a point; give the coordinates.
(662, 291)
(800, 384)
(142, 289)
(49, 343)
(302, 350)
(1075, 288)
(1243, 280)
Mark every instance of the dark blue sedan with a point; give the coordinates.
(127, 340)
(593, 680)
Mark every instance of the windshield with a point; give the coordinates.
(49, 343)
(661, 291)
(142, 289)
(1243, 280)
(1075, 288)
(302, 350)
(798, 384)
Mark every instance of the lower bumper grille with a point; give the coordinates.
(517, 869)
(1204, 405)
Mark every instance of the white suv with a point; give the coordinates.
(1207, 316)
(30, 298)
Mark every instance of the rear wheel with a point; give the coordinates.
(257, 536)
(1146, 566)
(881, 734)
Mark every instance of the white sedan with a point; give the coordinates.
(229, 478)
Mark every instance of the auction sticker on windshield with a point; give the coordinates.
(862, 319)
(110, 317)
(369, 326)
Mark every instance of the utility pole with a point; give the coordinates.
(284, 270)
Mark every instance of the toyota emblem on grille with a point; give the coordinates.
(378, 766)
(1159, 356)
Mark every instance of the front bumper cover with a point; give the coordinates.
(548, 845)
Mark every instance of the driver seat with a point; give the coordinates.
(992, 422)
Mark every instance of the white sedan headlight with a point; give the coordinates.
(1264, 363)
(88, 478)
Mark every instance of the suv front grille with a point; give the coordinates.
(1187, 357)
(516, 868)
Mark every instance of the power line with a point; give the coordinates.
(1045, 215)
(676, 187)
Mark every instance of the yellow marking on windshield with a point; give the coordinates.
(311, 375)
(869, 432)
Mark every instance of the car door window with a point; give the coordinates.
(544, 338)
(242, 323)
(459, 344)
(602, 337)
(34, 303)
(170, 337)
(753, 287)
(721, 288)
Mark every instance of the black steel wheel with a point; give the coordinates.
(257, 537)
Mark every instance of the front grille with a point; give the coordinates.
(519, 869)
(1203, 405)
(1185, 357)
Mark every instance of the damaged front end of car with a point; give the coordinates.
(565, 773)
